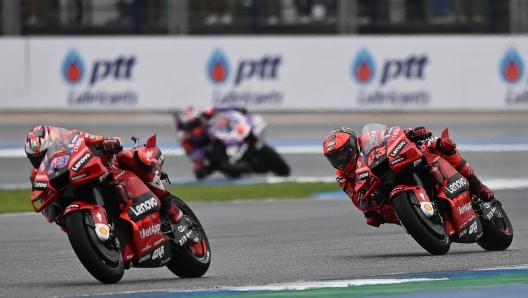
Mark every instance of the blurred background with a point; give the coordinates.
(213, 17)
(339, 59)
(199, 17)
(268, 55)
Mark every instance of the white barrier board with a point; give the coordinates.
(340, 73)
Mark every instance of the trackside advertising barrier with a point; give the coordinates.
(339, 73)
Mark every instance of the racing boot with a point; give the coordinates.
(476, 187)
(447, 149)
(373, 222)
(373, 218)
(170, 209)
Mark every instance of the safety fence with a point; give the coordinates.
(214, 17)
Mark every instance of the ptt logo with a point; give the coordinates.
(511, 67)
(363, 68)
(218, 68)
(74, 69)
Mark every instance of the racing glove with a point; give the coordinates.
(446, 146)
(418, 134)
(112, 145)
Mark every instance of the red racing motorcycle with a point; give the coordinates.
(113, 224)
(424, 194)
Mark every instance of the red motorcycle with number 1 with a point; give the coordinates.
(111, 217)
(424, 194)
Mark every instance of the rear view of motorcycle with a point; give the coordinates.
(239, 140)
(424, 194)
(111, 217)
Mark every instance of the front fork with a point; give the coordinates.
(97, 218)
(427, 205)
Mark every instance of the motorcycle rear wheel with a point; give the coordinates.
(274, 161)
(419, 226)
(497, 235)
(193, 260)
(105, 264)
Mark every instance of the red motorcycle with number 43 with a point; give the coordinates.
(111, 217)
(424, 194)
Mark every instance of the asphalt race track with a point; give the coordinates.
(262, 242)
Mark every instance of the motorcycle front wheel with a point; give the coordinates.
(194, 259)
(102, 262)
(432, 237)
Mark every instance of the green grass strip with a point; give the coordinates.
(388, 289)
(19, 200)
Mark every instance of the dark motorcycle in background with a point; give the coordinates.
(424, 194)
(239, 138)
(110, 227)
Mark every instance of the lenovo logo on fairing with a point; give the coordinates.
(458, 184)
(81, 162)
(145, 206)
(398, 149)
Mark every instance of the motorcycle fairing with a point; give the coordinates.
(85, 165)
(156, 257)
(42, 199)
(141, 201)
(147, 238)
(453, 188)
(400, 151)
(366, 182)
(59, 169)
(471, 231)
(141, 211)
(232, 127)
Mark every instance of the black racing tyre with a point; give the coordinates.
(193, 260)
(274, 161)
(498, 235)
(425, 232)
(103, 263)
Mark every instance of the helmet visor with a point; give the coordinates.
(340, 158)
(36, 159)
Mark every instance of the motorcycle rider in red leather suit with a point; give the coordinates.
(341, 148)
(41, 137)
